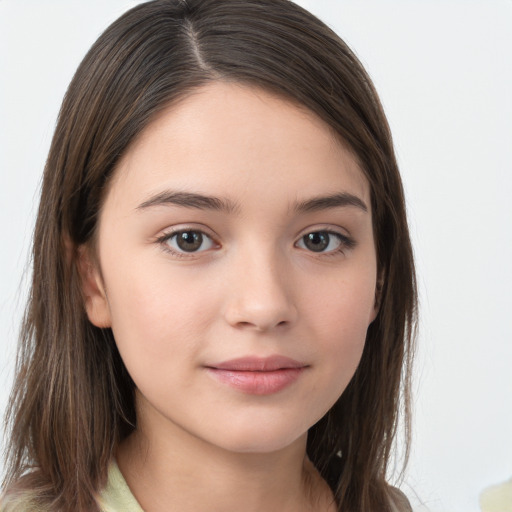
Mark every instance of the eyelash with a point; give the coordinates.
(346, 242)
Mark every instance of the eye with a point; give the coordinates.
(324, 241)
(188, 241)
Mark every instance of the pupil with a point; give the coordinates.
(189, 241)
(317, 241)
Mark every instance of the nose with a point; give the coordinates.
(259, 294)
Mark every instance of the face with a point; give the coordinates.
(235, 264)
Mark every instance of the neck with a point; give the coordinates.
(176, 471)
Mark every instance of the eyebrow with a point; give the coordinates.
(190, 200)
(203, 202)
(341, 199)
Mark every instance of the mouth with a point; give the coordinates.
(258, 376)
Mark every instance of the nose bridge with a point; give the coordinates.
(260, 292)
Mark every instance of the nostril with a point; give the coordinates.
(260, 326)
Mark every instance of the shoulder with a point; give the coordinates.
(398, 500)
(116, 496)
(19, 502)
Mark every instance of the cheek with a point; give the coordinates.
(157, 315)
(343, 303)
(340, 312)
(340, 344)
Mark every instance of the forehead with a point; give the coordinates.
(234, 138)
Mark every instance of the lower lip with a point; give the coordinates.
(257, 382)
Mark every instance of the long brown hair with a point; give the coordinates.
(73, 400)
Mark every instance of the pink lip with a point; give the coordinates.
(258, 376)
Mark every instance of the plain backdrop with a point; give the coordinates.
(443, 70)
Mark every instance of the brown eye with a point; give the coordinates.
(317, 241)
(325, 242)
(189, 241)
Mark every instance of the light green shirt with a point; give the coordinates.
(117, 497)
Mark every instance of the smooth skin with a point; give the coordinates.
(268, 267)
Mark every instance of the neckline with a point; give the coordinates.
(117, 496)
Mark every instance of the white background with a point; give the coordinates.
(444, 73)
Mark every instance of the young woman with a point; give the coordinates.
(223, 295)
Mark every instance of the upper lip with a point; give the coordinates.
(258, 364)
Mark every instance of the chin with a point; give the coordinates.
(260, 438)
